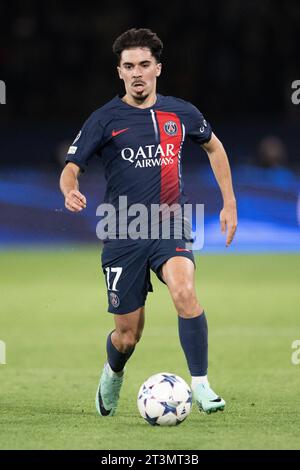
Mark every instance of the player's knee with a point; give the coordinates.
(186, 301)
(183, 293)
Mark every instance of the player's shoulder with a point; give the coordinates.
(104, 113)
(180, 103)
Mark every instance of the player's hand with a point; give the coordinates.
(75, 201)
(228, 220)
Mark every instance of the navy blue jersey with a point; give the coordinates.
(141, 149)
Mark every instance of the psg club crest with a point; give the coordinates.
(114, 299)
(170, 128)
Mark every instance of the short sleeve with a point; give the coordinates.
(199, 130)
(86, 144)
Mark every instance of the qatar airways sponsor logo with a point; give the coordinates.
(149, 155)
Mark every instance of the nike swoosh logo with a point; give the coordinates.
(115, 133)
(182, 249)
(104, 411)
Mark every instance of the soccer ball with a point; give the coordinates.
(164, 400)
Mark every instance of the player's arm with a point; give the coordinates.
(220, 166)
(74, 200)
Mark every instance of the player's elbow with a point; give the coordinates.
(71, 168)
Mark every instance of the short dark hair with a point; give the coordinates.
(142, 37)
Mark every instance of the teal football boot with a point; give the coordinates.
(207, 400)
(108, 392)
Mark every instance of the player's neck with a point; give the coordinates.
(147, 103)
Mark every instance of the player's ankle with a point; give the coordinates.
(113, 373)
(196, 380)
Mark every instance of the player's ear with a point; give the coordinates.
(119, 72)
(158, 69)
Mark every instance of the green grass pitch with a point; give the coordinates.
(54, 323)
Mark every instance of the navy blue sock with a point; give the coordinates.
(193, 339)
(116, 359)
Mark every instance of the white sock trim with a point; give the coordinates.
(112, 373)
(199, 380)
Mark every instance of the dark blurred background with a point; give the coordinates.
(235, 60)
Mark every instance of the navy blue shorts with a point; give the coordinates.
(126, 265)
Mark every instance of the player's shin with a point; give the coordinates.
(193, 334)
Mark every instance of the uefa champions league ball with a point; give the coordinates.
(164, 400)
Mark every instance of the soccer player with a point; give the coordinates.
(140, 139)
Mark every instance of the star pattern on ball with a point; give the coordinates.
(168, 408)
(190, 398)
(171, 379)
(152, 421)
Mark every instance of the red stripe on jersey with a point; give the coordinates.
(170, 140)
